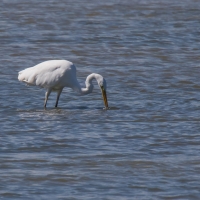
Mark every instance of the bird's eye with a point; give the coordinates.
(102, 87)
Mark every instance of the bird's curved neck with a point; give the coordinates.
(88, 83)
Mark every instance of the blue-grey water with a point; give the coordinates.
(147, 146)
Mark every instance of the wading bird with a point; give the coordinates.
(54, 75)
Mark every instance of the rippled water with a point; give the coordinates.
(147, 145)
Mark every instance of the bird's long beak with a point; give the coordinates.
(104, 96)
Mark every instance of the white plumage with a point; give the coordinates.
(54, 75)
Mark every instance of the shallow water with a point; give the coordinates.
(147, 145)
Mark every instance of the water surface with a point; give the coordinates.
(147, 145)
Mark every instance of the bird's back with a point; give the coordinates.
(50, 74)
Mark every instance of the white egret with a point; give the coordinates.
(54, 75)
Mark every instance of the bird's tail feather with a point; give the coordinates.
(27, 76)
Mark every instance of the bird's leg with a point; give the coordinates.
(48, 92)
(58, 95)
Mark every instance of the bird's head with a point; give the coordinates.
(102, 84)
